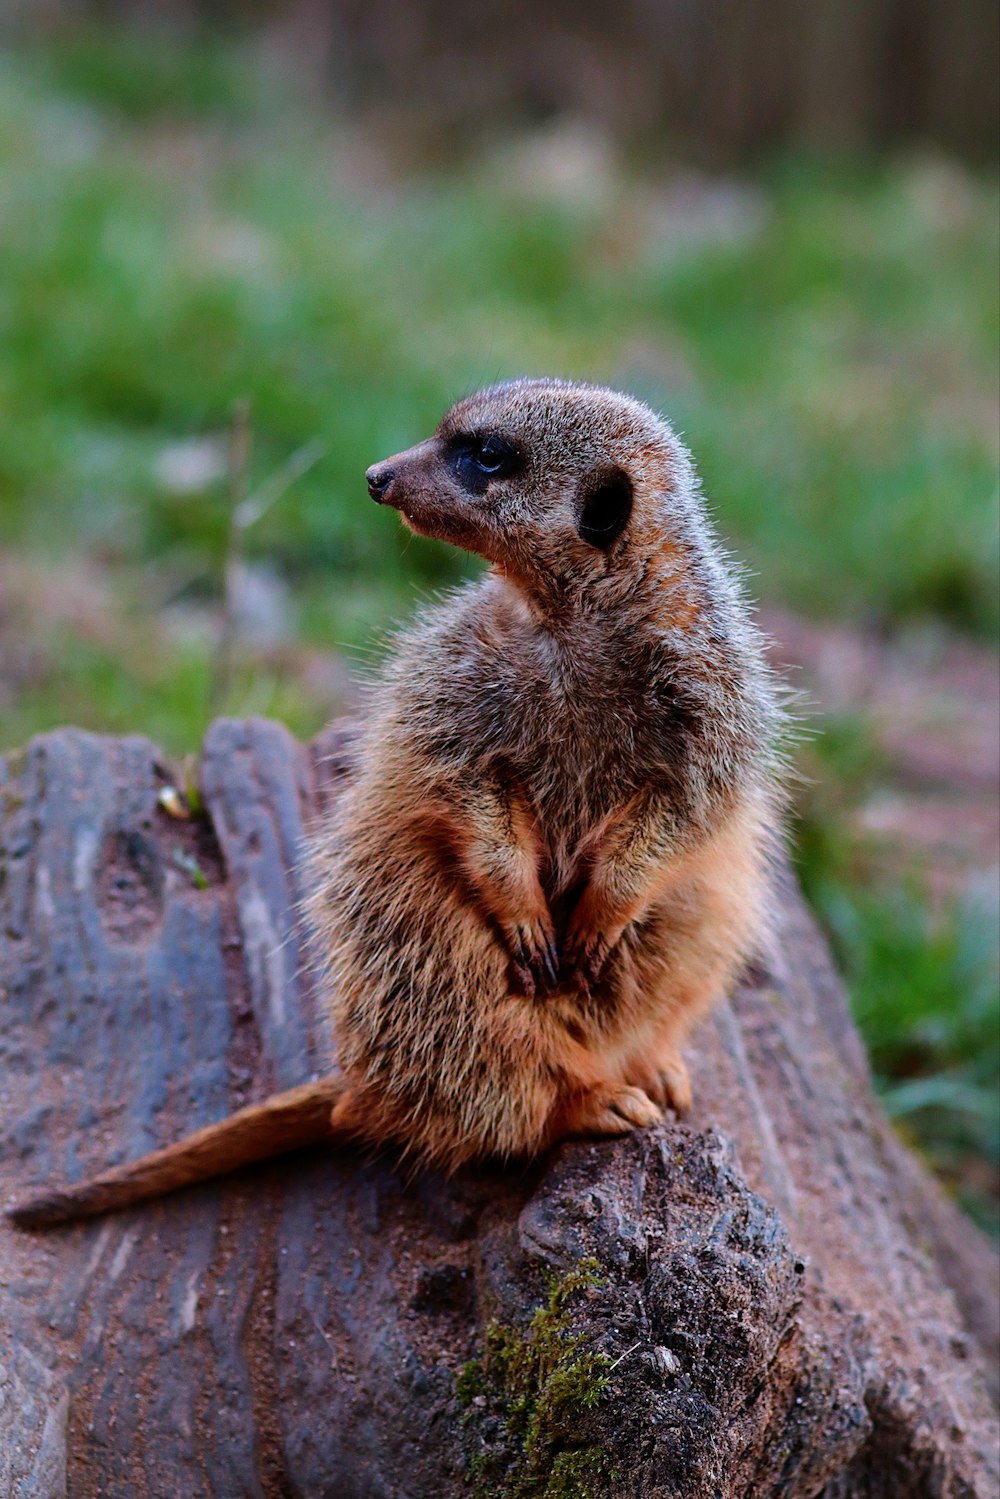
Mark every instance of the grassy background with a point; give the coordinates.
(178, 233)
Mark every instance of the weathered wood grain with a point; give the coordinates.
(296, 1329)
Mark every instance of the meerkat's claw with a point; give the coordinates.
(534, 961)
(550, 960)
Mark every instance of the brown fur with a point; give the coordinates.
(552, 855)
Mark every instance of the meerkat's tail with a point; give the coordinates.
(283, 1122)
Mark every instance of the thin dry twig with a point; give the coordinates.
(240, 443)
(251, 510)
(245, 511)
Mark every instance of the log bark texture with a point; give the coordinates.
(785, 1304)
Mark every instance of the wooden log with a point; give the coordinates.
(782, 1302)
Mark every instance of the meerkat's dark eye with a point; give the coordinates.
(495, 456)
(477, 460)
(604, 505)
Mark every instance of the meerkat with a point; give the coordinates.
(552, 854)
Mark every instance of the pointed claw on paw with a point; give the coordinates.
(550, 962)
(534, 963)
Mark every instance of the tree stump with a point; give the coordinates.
(772, 1299)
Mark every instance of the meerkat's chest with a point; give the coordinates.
(581, 741)
(582, 724)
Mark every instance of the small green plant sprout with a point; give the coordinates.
(190, 866)
(170, 799)
(527, 1400)
(192, 791)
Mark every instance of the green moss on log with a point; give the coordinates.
(527, 1402)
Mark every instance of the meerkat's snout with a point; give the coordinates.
(379, 477)
(420, 484)
(403, 478)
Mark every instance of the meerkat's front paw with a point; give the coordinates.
(585, 955)
(534, 961)
(594, 931)
(584, 960)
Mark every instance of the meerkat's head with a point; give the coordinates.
(546, 479)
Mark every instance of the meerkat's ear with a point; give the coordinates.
(603, 505)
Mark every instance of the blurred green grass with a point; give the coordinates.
(167, 250)
(179, 233)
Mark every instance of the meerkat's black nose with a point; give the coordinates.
(379, 479)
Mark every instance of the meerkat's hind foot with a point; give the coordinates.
(664, 1077)
(615, 1109)
(635, 1106)
(674, 1090)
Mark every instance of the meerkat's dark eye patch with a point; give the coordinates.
(477, 460)
(603, 506)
